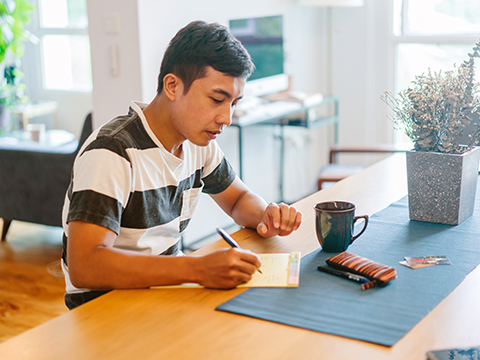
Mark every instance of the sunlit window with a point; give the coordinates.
(63, 14)
(415, 59)
(440, 17)
(432, 34)
(65, 46)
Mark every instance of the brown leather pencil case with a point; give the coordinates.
(378, 274)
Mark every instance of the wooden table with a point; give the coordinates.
(182, 323)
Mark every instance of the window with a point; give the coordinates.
(58, 67)
(438, 17)
(62, 27)
(432, 34)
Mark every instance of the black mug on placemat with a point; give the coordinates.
(334, 222)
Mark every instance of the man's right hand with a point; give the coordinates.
(227, 268)
(95, 264)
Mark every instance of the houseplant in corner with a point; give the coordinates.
(14, 14)
(440, 114)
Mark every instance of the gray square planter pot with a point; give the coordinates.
(442, 187)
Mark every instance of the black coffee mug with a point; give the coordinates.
(334, 222)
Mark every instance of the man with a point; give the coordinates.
(137, 179)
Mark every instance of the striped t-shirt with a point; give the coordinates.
(125, 180)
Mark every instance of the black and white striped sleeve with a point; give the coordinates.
(101, 184)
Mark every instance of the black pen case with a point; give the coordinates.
(378, 274)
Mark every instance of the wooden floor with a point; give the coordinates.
(31, 280)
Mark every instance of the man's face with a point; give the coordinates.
(206, 109)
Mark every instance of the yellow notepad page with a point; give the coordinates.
(279, 270)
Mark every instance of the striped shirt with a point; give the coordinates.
(125, 180)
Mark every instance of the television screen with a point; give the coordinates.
(263, 39)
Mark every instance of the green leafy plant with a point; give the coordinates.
(12, 91)
(437, 111)
(14, 14)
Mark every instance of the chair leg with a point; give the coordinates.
(6, 225)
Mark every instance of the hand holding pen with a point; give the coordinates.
(230, 241)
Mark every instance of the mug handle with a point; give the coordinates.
(364, 226)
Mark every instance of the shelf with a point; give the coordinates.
(310, 117)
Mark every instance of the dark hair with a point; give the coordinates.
(201, 44)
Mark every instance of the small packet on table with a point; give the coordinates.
(423, 261)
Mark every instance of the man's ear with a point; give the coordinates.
(172, 86)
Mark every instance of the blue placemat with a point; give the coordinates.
(333, 305)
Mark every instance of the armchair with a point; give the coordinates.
(334, 171)
(33, 183)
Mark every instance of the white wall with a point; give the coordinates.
(160, 20)
(362, 71)
(114, 23)
(360, 64)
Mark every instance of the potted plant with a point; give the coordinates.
(14, 14)
(440, 114)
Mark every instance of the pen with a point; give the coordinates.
(344, 274)
(230, 240)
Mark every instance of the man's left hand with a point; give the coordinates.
(279, 219)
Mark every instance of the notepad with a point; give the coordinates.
(279, 270)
